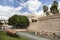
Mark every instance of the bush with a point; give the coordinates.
(12, 35)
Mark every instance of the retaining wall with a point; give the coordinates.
(46, 24)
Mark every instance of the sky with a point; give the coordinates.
(9, 8)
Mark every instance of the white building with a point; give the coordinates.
(4, 23)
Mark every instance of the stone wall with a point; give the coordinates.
(46, 24)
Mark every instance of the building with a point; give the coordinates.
(32, 17)
(4, 24)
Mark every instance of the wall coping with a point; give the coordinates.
(49, 17)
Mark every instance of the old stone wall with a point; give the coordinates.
(47, 24)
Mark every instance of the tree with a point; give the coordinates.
(54, 8)
(19, 21)
(45, 9)
(24, 22)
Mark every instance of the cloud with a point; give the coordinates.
(59, 5)
(6, 12)
(4, 18)
(33, 5)
(40, 13)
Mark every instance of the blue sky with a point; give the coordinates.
(47, 1)
(12, 3)
(11, 7)
(16, 3)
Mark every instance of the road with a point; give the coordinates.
(30, 36)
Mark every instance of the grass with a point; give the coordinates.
(4, 36)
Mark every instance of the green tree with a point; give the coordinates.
(24, 22)
(54, 8)
(19, 21)
(45, 9)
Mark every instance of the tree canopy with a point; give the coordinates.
(54, 8)
(45, 10)
(19, 21)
